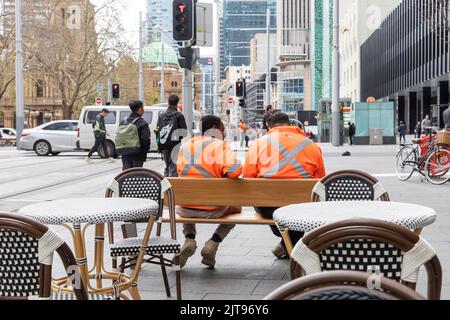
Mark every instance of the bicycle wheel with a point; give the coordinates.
(406, 163)
(437, 166)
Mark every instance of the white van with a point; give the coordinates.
(115, 117)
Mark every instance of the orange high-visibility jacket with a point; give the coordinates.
(285, 153)
(207, 157)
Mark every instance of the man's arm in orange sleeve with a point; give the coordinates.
(250, 169)
(232, 168)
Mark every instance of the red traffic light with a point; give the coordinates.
(181, 7)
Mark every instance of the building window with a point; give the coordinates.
(63, 16)
(2, 119)
(40, 88)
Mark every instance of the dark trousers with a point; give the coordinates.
(171, 167)
(99, 141)
(403, 137)
(129, 164)
(268, 214)
(352, 140)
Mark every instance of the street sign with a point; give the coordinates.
(100, 88)
(205, 26)
(230, 100)
(98, 101)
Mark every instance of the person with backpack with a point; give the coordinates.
(100, 134)
(169, 122)
(133, 138)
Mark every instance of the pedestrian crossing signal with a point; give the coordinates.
(116, 91)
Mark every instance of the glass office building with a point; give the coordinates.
(241, 20)
(159, 14)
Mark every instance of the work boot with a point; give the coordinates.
(187, 251)
(209, 253)
(280, 251)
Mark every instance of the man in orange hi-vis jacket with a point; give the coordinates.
(207, 156)
(285, 153)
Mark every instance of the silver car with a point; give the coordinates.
(51, 138)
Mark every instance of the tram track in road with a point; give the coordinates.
(18, 165)
(62, 169)
(61, 182)
(67, 181)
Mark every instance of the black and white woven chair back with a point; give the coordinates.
(141, 184)
(19, 264)
(349, 186)
(365, 245)
(363, 255)
(343, 293)
(26, 257)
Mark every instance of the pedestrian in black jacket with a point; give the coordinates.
(167, 148)
(137, 160)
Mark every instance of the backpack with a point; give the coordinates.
(127, 139)
(167, 125)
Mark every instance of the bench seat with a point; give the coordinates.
(244, 218)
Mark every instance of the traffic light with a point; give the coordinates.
(240, 88)
(188, 57)
(184, 24)
(116, 91)
(242, 103)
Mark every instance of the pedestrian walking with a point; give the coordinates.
(100, 134)
(133, 138)
(169, 122)
(244, 128)
(446, 117)
(300, 158)
(418, 130)
(402, 131)
(351, 132)
(207, 156)
(426, 125)
(267, 115)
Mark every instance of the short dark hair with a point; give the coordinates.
(174, 100)
(208, 122)
(135, 105)
(269, 107)
(278, 119)
(104, 110)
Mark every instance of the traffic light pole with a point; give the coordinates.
(141, 66)
(188, 99)
(110, 84)
(20, 120)
(336, 122)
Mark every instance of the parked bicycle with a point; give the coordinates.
(426, 157)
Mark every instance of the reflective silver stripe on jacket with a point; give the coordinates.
(192, 163)
(288, 157)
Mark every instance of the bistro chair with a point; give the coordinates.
(147, 184)
(26, 259)
(367, 245)
(349, 185)
(344, 285)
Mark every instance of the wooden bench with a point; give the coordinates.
(240, 193)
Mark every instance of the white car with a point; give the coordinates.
(51, 138)
(8, 135)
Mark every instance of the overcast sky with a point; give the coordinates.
(130, 18)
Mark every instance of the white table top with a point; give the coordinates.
(90, 210)
(309, 216)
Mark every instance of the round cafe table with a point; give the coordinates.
(309, 216)
(73, 214)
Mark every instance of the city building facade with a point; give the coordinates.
(241, 20)
(407, 60)
(159, 16)
(208, 85)
(294, 56)
(358, 20)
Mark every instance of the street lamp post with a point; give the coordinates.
(141, 66)
(19, 75)
(269, 73)
(336, 123)
(163, 83)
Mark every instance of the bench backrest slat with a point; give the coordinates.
(242, 192)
